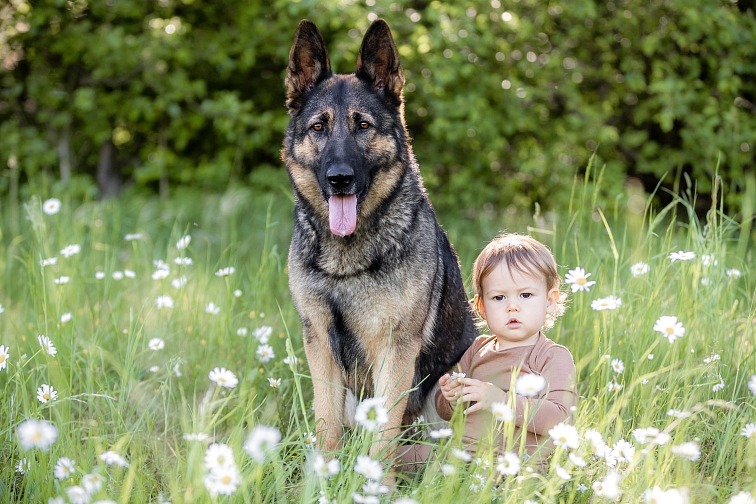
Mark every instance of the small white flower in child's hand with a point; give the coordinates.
(455, 376)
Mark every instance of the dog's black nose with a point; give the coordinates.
(340, 176)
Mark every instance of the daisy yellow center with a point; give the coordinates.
(36, 437)
(582, 281)
(46, 395)
(2, 358)
(670, 330)
(226, 479)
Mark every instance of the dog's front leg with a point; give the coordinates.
(328, 389)
(393, 378)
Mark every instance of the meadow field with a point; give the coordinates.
(150, 352)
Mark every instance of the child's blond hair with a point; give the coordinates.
(520, 253)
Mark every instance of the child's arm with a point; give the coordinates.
(560, 397)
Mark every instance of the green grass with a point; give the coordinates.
(115, 393)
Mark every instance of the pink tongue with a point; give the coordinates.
(342, 214)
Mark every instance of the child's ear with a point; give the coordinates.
(553, 298)
(480, 307)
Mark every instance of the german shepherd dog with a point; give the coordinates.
(372, 275)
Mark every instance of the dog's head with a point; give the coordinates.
(346, 147)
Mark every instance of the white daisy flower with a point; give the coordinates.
(39, 434)
(577, 460)
(183, 261)
(92, 483)
(577, 279)
(645, 434)
(565, 435)
(200, 437)
(161, 274)
(212, 308)
(509, 464)
(262, 333)
(441, 433)
(77, 494)
(218, 456)
(749, 431)
(502, 412)
(46, 393)
(462, 455)
(623, 451)
(242, 332)
(99, 275)
(372, 414)
(563, 473)
(679, 414)
(681, 255)
(70, 250)
(223, 377)
(733, 273)
(274, 382)
(669, 327)
(310, 439)
(51, 206)
(111, 458)
(752, 384)
(265, 353)
(156, 344)
(448, 470)
(179, 282)
(65, 318)
(719, 386)
(261, 442)
(183, 242)
(368, 467)
(117, 275)
(238, 293)
(64, 468)
(709, 260)
(607, 303)
(365, 499)
(47, 345)
(639, 268)
(51, 261)
(325, 469)
(224, 272)
(609, 487)
(222, 481)
(656, 495)
(618, 366)
(62, 280)
(4, 355)
(133, 236)
(129, 273)
(742, 498)
(688, 450)
(529, 384)
(163, 302)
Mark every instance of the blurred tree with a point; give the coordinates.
(506, 101)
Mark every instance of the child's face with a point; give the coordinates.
(514, 305)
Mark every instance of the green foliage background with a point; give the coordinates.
(506, 100)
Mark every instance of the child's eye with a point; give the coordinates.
(526, 295)
(500, 297)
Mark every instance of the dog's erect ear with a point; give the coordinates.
(308, 63)
(378, 61)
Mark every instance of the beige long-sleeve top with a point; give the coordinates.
(551, 406)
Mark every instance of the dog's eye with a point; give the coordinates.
(364, 125)
(317, 127)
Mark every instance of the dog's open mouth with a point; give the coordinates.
(342, 214)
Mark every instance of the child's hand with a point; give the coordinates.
(451, 388)
(482, 394)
